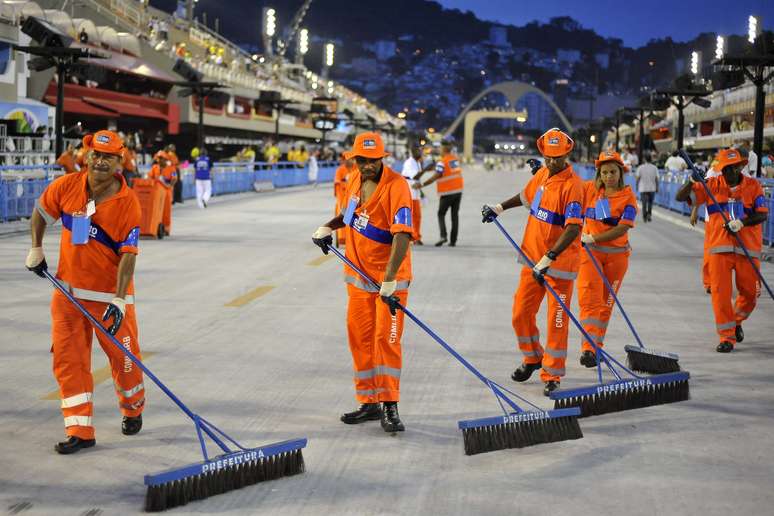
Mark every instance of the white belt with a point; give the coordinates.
(94, 295)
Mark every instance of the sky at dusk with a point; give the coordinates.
(633, 21)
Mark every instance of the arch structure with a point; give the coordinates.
(472, 118)
(513, 91)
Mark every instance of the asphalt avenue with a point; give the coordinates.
(245, 320)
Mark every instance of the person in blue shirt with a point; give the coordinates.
(203, 166)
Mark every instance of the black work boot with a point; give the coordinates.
(366, 412)
(725, 347)
(739, 332)
(524, 371)
(390, 418)
(440, 242)
(551, 386)
(73, 444)
(588, 359)
(131, 425)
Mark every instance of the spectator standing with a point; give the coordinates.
(647, 185)
(271, 153)
(412, 170)
(313, 168)
(675, 162)
(203, 167)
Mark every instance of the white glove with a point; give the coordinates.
(735, 225)
(587, 238)
(544, 263)
(120, 304)
(322, 232)
(34, 257)
(388, 288)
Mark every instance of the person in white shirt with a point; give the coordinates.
(412, 171)
(675, 162)
(647, 185)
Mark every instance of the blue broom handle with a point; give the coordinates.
(131, 356)
(690, 164)
(430, 332)
(612, 293)
(549, 287)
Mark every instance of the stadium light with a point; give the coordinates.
(695, 62)
(720, 47)
(303, 41)
(753, 28)
(269, 21)
(329, 49)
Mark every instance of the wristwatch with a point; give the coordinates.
(552, 255)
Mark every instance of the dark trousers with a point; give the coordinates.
(647, 204)
(177, 192)
(450, 201)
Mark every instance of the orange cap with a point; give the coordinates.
(367, 145)
(104, 141)
(610, 155)
(554, 143)
(727, 157)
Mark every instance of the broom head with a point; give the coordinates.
(650, 361)
(627, 394)
(521, 429)
(179, 486)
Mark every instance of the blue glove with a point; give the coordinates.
(116, 309)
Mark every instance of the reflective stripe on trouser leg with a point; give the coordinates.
(127, 377)
(388, 356)
(526, 303)
(558, 328)
(721, 266)
(71, 335)
(748, 287)
(374, 341)
(614, 267)
(591, 297)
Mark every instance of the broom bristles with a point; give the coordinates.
(520, 430)
(649, 361)
(175, 488)
(625, 394)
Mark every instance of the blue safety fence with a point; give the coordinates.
(18, 194)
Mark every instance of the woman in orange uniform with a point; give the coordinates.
(610, 211)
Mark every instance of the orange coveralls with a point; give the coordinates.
(374, 333)
(596, 303)
(555, 202)
(724, 254)
(165, 176)
(89, 271)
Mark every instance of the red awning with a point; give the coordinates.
(125, 108)
(78, 106)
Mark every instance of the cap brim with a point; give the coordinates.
(354, 154)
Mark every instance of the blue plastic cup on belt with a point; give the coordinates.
(81, 227)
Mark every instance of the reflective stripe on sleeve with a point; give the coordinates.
(43, 213)
(77, 421)
(78, 399)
